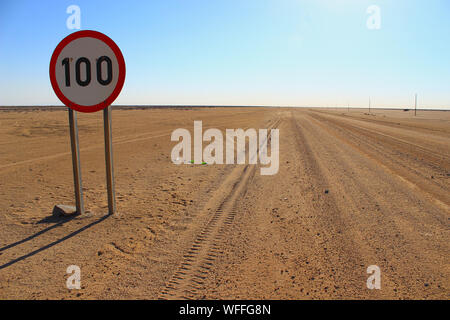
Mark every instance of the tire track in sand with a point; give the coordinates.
(191, 274)
(116, 141)
(407, 170)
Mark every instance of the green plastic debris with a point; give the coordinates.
(192, 161)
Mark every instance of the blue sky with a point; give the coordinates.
(242, 52)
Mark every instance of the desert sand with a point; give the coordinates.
(353, 189)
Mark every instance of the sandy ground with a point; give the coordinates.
(353, 190)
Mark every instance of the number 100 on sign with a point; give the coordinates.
(83, 71)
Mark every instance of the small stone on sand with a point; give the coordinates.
(63, 210)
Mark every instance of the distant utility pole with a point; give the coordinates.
(348, 107)
(415, 106)
(369, 105)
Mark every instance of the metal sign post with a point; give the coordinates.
(415, 105)
(109, 160)
(76, 161)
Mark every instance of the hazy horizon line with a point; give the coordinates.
(238, 106)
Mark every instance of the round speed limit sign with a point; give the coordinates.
(87, 71)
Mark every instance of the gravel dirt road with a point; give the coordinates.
(353, 190)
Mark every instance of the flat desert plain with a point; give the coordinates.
(353, 190)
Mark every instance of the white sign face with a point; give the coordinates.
(87, 71)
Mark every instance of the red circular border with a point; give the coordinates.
(108, 41)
